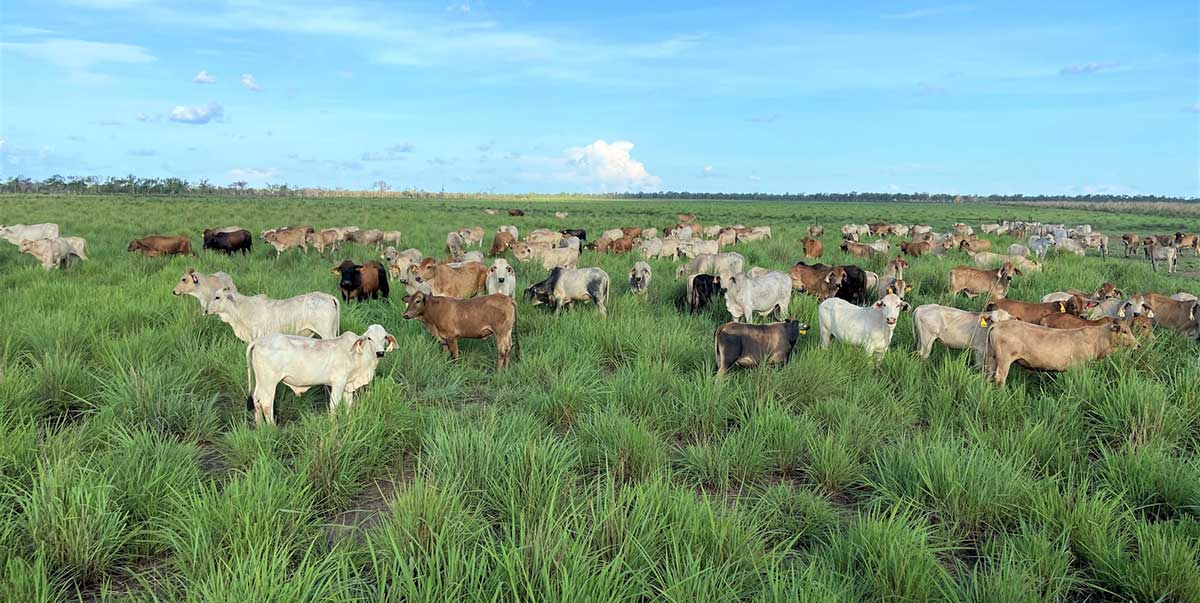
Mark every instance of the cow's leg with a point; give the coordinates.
(336, 390)
(1002, 367)
(264, 402)
(924, 344)
(503, 348)
(452, 344)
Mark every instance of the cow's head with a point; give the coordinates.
(135, 245)
(187, 283)
(415, 305)
(836, 277)
(1007, 271)
(899, 288)
(890, 306)
(501, 271)
(1121, 334)
(794, 329)
(374, 339)
(221, 301)
(1109, 291)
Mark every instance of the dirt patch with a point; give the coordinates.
(365, 510)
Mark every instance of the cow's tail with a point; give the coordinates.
(717, 348)
(337, 307)
(249, 378)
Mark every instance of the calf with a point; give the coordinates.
(1034, 312)
(1095, 240)
(154, 246)
(253, 316)
(344, 363)
(1041, 348)
(1165, 254)
(448, 280)
(566, 285)
(916, 250)
(1139, 325)
(956, 329)
(15, 233)
(747, 295)
(813, 248)
(819, 280)
(51, 253)
(858, 249)
(361, 282)
(1131, 243)
(284, 239)
(974, 281)
(501, 278)
(323, 239)
(448, 320)
(203, 286)
(228, 242)
(975, 245)
(370, 236)
(639, 278)
(1187, 241)
(870, 327)
(748, 345)
(501, 242)
(564, 257)
(700, 289)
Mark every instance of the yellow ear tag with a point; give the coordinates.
(908, 288)
(804, 331)
(983, 321)
(1062, 307)
(1121, 312)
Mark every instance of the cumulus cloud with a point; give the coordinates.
(204, 78)
(1087, 68)
(197, 115)
(250, 83)
(392, 153)
(611, 166)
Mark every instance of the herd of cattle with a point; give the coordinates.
(461, 297)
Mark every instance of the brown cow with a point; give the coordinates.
(449, 280)
(749, 345)
(323, 239)
(156, 245)
(858, 249)
(1182, 317)
(686, 217)
(1139, 325)
(879, 229)
(632, 231)
(621, 245)
(974, 281)
(449, 320)
(1034, 312)
(360, 283)
(516, 212)
(813, 248)
(975, 245)
(1041, 348)
(916, 250)
(284, 239)
(501, 242)
(1131, 242)
(1187, 241)
(820, 280)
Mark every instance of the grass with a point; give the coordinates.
(607, 465)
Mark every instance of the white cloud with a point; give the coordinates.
(142, 117)
(933, 11)
(249, 82)
(755, 178)
(77, 57)
(142, 152)
(611, 166)
(254, 176)
(1086, 68)
(204, 78)
(392, 153)
(197, 115)
(708, 171)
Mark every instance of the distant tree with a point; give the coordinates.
(380, 186)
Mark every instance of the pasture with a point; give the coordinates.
(607, 464)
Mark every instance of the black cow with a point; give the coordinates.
(575, 232)
(750, 345)
(228, 242)
(701, 288)
(854, 288)
(362, 282)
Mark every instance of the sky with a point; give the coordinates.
(531, 96)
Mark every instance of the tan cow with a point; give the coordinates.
(1175, 315)
(974, 281)
(1034, 312)
(323, 239)
(813, 248)
(1044, 349)
(956, 329)
(50, 253)
(448, 280)
(284, 239)
(449, 320)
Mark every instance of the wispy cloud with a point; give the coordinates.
(765, 119)
(1087, 68)
(197, 115)
(78, 57)
(249, 83)
(204, 78)
(254, 176)
(142, 152)
(932, 11)
(392, 153)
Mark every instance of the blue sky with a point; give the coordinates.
(1058, 98)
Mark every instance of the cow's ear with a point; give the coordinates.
(195, 277)
(358, 344)
(392, 344)
(1114, 327)
(1018, 272)
(879, 304)
(510, 269)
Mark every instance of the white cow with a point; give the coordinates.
(1018, 249)
(870, 327)
(253, 316)
(694, 247)
(399, 261)
(715, 264)
(747, 295)
(501, 278)
(344, 363)
(1040, 245)
(639, 278)
(51, 253)
(956, 329)
(15, 233)
(203, 286)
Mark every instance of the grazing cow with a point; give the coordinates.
(229, 242)
(580, 233)
(748, 345)
(78, 246)
(974, 281)
(818, 280)
(324, 239)
(651, 248)
(870, 327)
(726, 237)
(203, 286)
(472, 236)
(813, 248)
(1139, 325)
(1165, 254)
(1095, 240)
(815, 231)
(501, 242)
(990, 228)
(361, 282)
(551, 258)
(454, 243)
(566, 285)
(448, 280)
(751, 235)
(546, 238)
(694, 247)
(154, 246)
(716, 264)
(391, 236)
(344, 363)
(370, 236)
(501, 278)
(620, 246)
(448, 319)
(253, 316)
(896, 267)
(1041, 348)
(639, 278)
(1068, 245)
(343, 232)
(747, 295)
(985, 259)
(700, 289)
(1019, 250)
(1188, 241)
(956, 329)
(632, 232)
(51, 253)
(880, 245)
(284, 239)
(613, 234)
(975, 245)
(516, 213)
(916, 250)
(1033, 312)
(1175, 315)
(1040, 245)
(15, 233)
(561, 214)
(1131, 243)
(878, 229)
(858, 249)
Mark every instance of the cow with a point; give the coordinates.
(870, 327)
(15, 233)
(1039, 245)
(963, 230)
(632, 232)
(156, 245)
(361, 282)
(748, 345)
(974, 281)
(711, 231)
(510, 229)
(747, 295)
(323, 239)
(896, 267)
(1041, 348)
(716, 264)
(813, 248)
(566, 285)
(916, 249)
(561, 214)
(491, 212)
(516, 213)
(880, 245)
(1165, 254)
(618, 246)
(612, 234)
(639, 278)
(1019, 250)
(253, 316)
(985, 259)
(700, 289)
(52, 253)
(448, 319)
(448, 280)
(1135, 305)
(1094, 240)
(343, 232)
(1187, 241)
(391, 236)
(1104, 292)
(370, 236)
(815, 231)
(1131, 243)
(581, 234)
(284, 239)
(550, 258)
(651, 248)
(858, 249)
(726, 237)
(203, 286)
(399, 261)
(686, 217)
(752, 234)
(501, 242)
(229, 242)
(78, 246)
(1068, 245)
(344, 363)
(975, 245)
(647, 233)
(1141, 326)
(818, 280)
(547, 238)
(1174, 315)
(956, 329)
(455, 243)
(694, 247)
(472, 236)
(1033, 312)
(501, 278)
(886, 285)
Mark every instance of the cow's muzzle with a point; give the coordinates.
(891, 322)
(379, 354)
